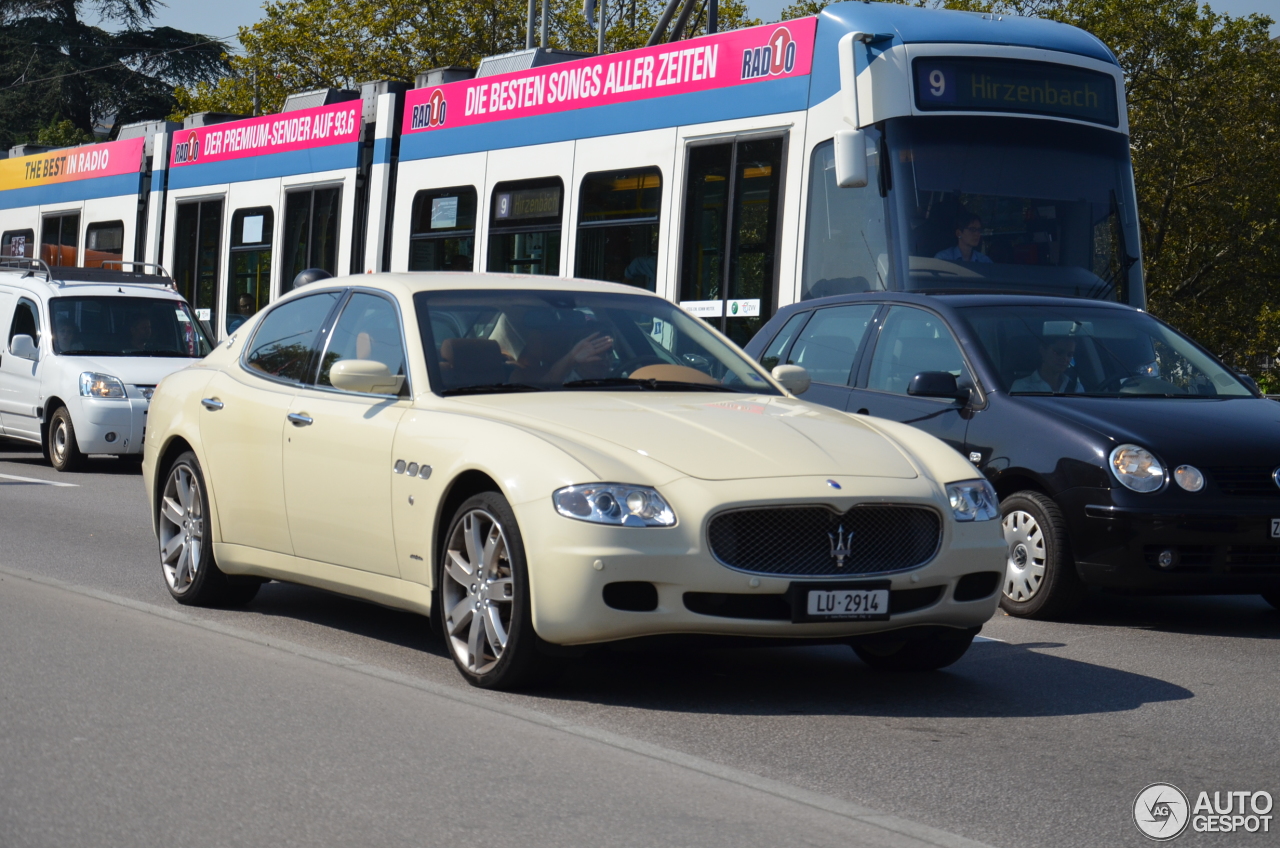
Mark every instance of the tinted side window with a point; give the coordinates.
(773, 353)
(369, 328)
(845, 250)
(26, 321)
(103, 241)
(829, 343)
(912, 341)
(618, 227)
(443, 230)
(282, 345)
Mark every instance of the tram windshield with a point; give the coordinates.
(1013, 204)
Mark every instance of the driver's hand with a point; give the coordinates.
(591, 348)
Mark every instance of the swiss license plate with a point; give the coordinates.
(840, 602)
(1275, 528)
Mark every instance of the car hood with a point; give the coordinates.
(1226, 431)
(131, 370)
(711, 436)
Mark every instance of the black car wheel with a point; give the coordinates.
(1040, 574)
(63, 450)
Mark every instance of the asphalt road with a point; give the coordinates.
(310, 719)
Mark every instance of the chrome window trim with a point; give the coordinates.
(248, 345)
(404, 349)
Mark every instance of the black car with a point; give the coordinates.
(1125, 455)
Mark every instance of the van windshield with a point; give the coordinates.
(126, 326)
(1099, 352)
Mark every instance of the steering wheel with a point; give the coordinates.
(1114, 383)
(636, 362)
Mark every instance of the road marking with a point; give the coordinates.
(38, 480)
(870, 827)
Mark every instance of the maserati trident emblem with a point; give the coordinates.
(840, 546)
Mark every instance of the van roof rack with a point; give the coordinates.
(26, 263)
(150, 274)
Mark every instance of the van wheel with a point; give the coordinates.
(918, 653)
(186, 546)
(482, 592)
(1040, 578)
(63, 449)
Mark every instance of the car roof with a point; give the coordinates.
(960, 299)
(81, 282)
(412, 282)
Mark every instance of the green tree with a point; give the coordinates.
(396, 39)
(57, 69)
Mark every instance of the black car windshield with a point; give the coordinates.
(486, 341)
(1015, 205)
(126, 326)
(1100, 352)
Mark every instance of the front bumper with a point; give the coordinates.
(112, 425)
(1224, 549)
(571, 562)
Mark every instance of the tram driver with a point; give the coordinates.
(968, 238)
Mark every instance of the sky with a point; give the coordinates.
(221, 18)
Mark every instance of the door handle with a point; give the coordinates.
(211, 404)
(299, 420)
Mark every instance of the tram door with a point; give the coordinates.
(728, 263)
(196, 244)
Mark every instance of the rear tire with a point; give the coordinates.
(482, 594)
(63, 450)
(936, 650)
(1040, 578)
(190, 572)
(1272, 598)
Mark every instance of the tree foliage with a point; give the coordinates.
(396, 39)
(59, 76)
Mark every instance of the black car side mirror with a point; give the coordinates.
(937, 384)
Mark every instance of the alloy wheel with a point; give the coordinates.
(181, 528)
(478, 591)
(1025, 567)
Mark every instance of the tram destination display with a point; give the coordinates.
(962, 84)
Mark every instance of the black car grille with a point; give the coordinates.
(1244, 481)
(802, 540)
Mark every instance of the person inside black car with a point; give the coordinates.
(1056, 355)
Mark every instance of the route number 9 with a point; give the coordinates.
(937, 83)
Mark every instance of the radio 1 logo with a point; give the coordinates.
(187, 151)
(431, 113)
(777, 56)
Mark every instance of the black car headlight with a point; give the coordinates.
(1137, 468)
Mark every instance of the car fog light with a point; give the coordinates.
(1137, 469)
(614, 503)
(1189, 477)
(1167, 558)
(111, 437)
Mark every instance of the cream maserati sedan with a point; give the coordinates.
(543, 464)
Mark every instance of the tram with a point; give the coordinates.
(872, 147)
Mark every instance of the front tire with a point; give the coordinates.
(916, 653)
(482, 593)
(1040, 574)
(186, 547)
(63, 449)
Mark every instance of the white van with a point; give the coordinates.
(83, 350)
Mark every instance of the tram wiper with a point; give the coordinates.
(492, 388)
(649, 385)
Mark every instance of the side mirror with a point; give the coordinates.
(937, 384)
(851, 158)
(24, 347)
(365, 376)
(793, 378)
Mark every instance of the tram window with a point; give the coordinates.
(18, 243)
(845, 248)
(618, 227)
(249, 280)
(733, 193)
(524, 227)
(310, 232)
(59, 238)
(103, 241)
(442, 234)
(197, 240)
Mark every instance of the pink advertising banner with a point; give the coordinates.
(307, 128)
(770, 52)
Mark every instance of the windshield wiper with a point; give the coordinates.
(491, 388)
(649, 385)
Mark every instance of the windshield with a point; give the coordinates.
(501, 341)
(1016, 205)
(126, 326)
(1041, 350)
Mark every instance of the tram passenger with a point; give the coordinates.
(642, 271)
(246, 306)
(968, 237)
(1056, 353)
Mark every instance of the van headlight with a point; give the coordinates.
(614, 503)
(973, 500)
(1136, 468)
(97, 385)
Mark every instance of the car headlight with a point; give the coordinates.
(100, 385)
(973, 500)
(614, 503)
(1136, 468)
